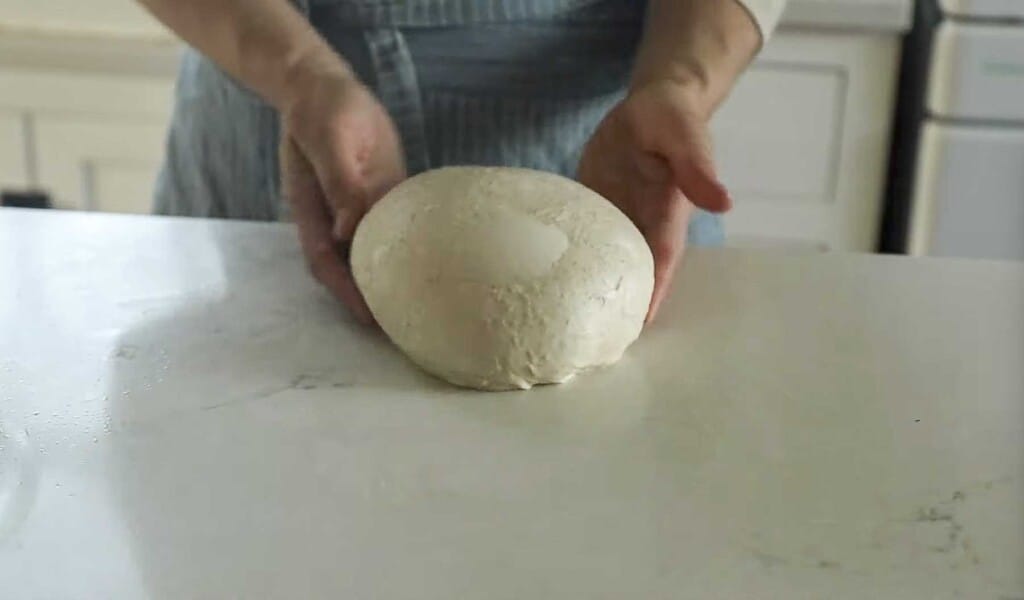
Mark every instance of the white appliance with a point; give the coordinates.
(968, 189)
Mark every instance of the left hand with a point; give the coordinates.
(651, 157)
(340, 153)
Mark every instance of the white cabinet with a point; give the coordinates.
(969, 196)
(13, 165)
(803, 141)
(117, 17)
(968, 188)
(99, 164)
(94, 141)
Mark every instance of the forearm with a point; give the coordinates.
(703, 44)
(265, 44)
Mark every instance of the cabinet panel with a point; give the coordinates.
(64, 92)
(13, 167)
(93, 164)
(778, 133)
(969, 195)
(122, 187)
(95, 141)
(803, 141)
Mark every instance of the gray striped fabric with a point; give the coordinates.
(524, 93)
(526, 85)
(547, 135)
(398, 89)
(443, 13)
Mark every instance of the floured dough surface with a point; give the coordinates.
(500, 278)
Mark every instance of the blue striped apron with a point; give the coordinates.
(487, 82)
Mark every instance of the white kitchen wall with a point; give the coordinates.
(85, 94)
(110, 17)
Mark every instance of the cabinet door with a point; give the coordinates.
(92, 163)
(95, 140)
(969, 192)
(803, 142)
(13, 145)
(43, 91)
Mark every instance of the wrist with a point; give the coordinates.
(306, 70)
(700, 45)
(691, 93)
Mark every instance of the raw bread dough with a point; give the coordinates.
(501, 278)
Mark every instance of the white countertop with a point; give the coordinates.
(184, 414)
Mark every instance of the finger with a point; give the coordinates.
(345, 221)
(342, 172)
(377, 180)
(696, 178)
(347, 217)
(667, 239)
(313, 220)
(666, 259)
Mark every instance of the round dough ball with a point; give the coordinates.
(501, 278)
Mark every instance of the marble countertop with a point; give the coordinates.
(184, 414)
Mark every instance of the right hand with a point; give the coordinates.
(651, 156)
(340, 153)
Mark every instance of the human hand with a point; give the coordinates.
(339, 154)
(651, 157)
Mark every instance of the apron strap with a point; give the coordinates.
(399, 91)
